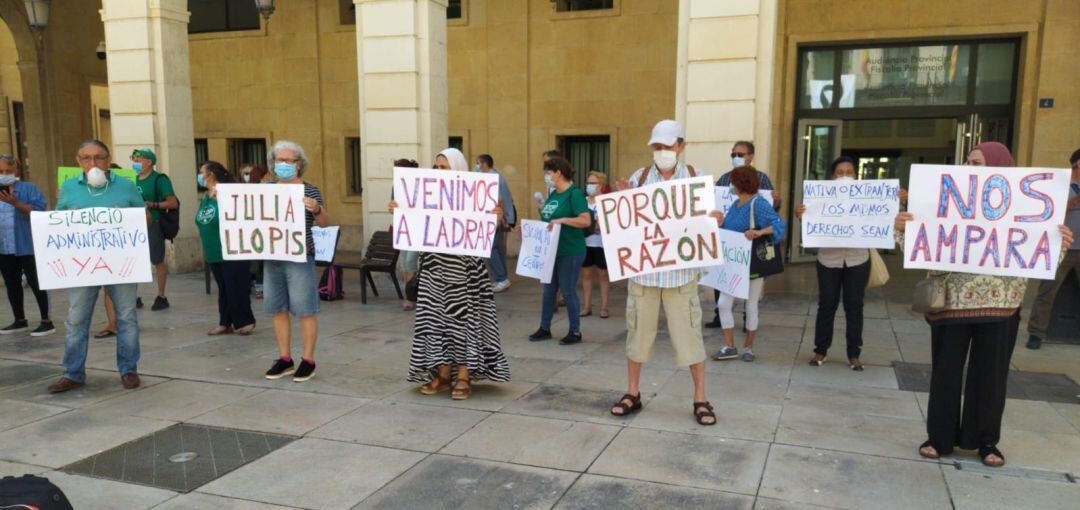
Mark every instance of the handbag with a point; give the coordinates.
(929, 294)
(879, 274)
(765, 257)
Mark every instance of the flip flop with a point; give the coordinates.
(586, 314)
(105, 333)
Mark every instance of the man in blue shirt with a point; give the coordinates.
(497, 263)
(98, 187)
(17, 200)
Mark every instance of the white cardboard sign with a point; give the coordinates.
(850, 214)
(443, 211)
(262, 222)
(725, 198)
(538, 247)
(733, 276)
(90, 247)
(325, 242)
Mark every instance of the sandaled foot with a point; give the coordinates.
(819, 359)
(855, 364)
(220, 330)
(462, 390)
(604, 313)
(991, 456)
(703, 412)
(927, 450)
(627, 405)
(586, 313)
(437, 384)
(246, 330)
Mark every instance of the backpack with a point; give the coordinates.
(330, 284)
(168, 219)
(646, 170)
(591, 229)
(31, 492)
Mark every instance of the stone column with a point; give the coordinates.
(401, 62)
(150, 101)
(723, 85)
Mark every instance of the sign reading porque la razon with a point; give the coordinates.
(443, 211)
(986, 220)
(262, 222)
(89, 247)
(659, 227)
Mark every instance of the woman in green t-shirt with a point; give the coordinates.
(233, 276)
(566, 206)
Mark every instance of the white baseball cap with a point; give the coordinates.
(666, 132)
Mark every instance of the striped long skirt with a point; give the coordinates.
(456, 322)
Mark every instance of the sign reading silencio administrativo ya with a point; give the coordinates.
(262, 222)
(986, 220)
(444, 211)
(90, 247)
(733, 276)
(659, 227)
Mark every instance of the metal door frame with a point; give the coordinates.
(796, 253)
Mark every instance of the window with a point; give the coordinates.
(202, 155)
(586, 154)
(353, 164)
(245, 151)
(222, 16)
(347, 12)
(457, 142)
(583, 5)
(994, 73)
(453, 11)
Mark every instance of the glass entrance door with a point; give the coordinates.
(818, 144)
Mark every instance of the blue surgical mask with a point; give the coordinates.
(476, 168)
(201, 180)
(548, 182)
(590, 189)
(137, 166)
(731, 189)
(738, 161)
(7, 179)
(285, 171)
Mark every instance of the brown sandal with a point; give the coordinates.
(704, 410)
(461, 393)
(436, 385)
(627, 410)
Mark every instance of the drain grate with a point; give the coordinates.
(1040, 386)
(180, 458)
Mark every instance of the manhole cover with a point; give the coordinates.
(180, 458)
(1046, 387)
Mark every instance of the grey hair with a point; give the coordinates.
(271, 155)
(96, 143)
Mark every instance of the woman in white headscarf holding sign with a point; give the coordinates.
(456, 323)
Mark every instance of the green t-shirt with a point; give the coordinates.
(147, 187)
(206, 219)
(568, 204)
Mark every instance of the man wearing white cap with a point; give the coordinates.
(676, 289)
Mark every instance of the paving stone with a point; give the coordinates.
(977, 491)
(704, 462)
(16, 469)
(1054, 452)
(197, 501)
(456, 482)
(176, 400)
(562, 402)
(851, 432)
(1070, 412)
(401, 425)
(839, 374)
(86, 492)
(314, 473)
(281, 412)
(598, 492)
(609, 377)
(486, 395)
(725, 387)
(535, 369)
(1035, 416)
(734, 419)
(65, 438)
(534, 441)
(17, 412)
(840, 399)
(828, 478)
(15, 373)
(777, 504)
(100, 385)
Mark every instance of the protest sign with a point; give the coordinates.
(70, 172)
(725, 198)
(659, 227)
(443, 211)
(733, 276)
(850, 214)
(325, 242)
(986, 220)
(90, 247)
(536, 259)
(262, 222)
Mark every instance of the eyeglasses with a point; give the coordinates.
(87, 159)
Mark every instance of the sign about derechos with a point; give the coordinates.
(325, 242)
(659, 227)
(850, 214)
(90, 247)
(538, 246)
(733, 276)
(725, 198)
(444, 211)
(986, 220)
(262, 222)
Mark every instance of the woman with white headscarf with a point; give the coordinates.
(456, 323)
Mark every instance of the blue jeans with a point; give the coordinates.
(81, 310)
(564, 278)
(497, 262)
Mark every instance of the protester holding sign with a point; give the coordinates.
(840, 270)
(233, 277)
(289, 287)
(99, 188)
(17, 200)
(565, 206)
(979, 312)
(456, 322)
(675, 289)
(749, 210)
(595, 265)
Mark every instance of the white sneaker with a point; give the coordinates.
(501, 286)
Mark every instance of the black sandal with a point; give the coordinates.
(988, 450)
(936, 455)
(707, 413)
(858, 367)
(627, 410)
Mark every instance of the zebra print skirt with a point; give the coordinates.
(456, 322)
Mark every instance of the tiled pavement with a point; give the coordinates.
(789, 435)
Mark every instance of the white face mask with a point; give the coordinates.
(247, 177)
(738, 161)
(845, 178)
(665, 159)
(96, 177)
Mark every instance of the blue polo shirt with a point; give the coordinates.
(119, 192)
(21, 243)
